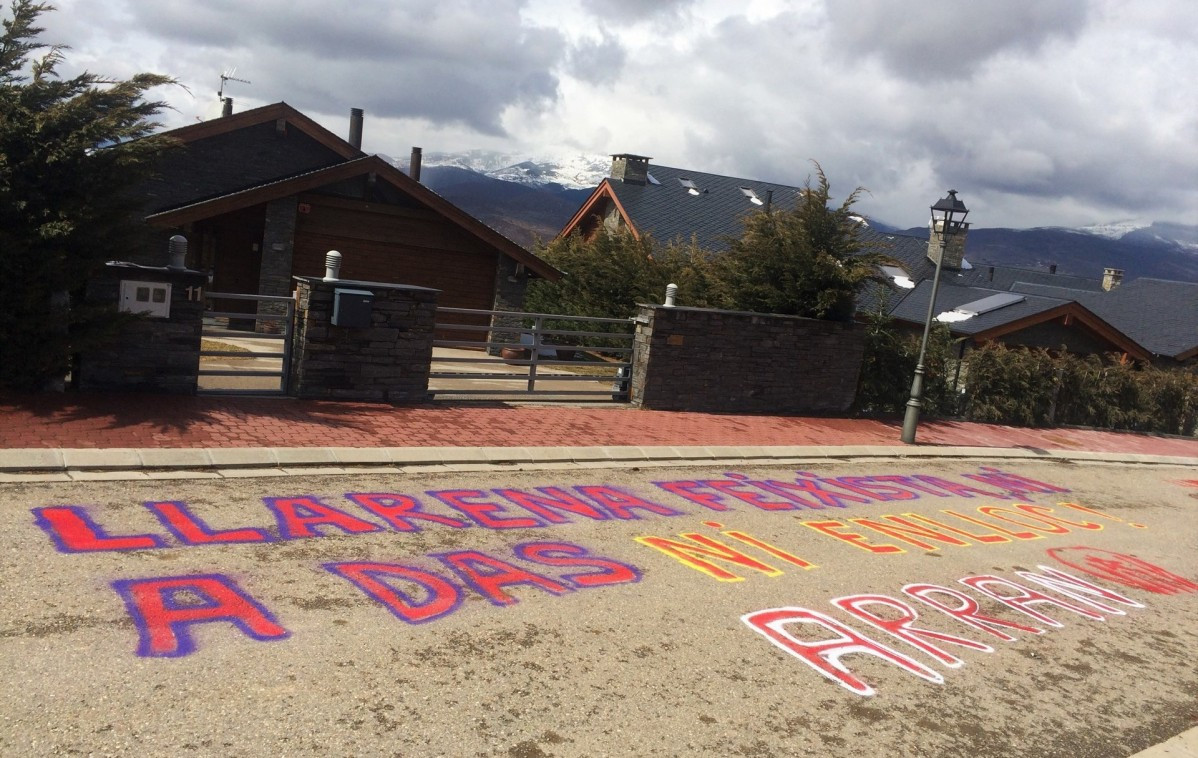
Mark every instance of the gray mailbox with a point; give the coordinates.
(351, 308)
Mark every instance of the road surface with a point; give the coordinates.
(873, 607)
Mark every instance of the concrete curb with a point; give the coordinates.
(1184, 745)
(33, 464)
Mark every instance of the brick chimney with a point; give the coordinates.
(1111, 278)
(955, 252)
(355, 127)
(630, 169)
(414, 163)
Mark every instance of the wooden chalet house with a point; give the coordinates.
(264, 194)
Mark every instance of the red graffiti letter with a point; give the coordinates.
(824, 655)
(164, 608)
(73, 531)
(376, 580)
(191, 530)
(490, 575)
(567, 554)
(901, 627)
(1024, 597)
(1079, 589)
(298, 517)
(968, 612)
(400, 510)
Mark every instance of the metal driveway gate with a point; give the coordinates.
(246, 352)
(501, 354)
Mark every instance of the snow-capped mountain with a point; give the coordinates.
(531, 198)
(1144, 232)
(571, 172)
(1114, 230)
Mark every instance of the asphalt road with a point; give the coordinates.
(319, 616)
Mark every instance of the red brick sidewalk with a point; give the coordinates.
(141, 421)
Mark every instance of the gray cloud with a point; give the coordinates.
(465, 61)
(598, 61)
(938, 41)
(634, 10)
(1050, 112)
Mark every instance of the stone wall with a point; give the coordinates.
(388, 361)
(695, 359)
(147, 354)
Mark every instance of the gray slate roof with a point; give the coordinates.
(1159, 314)
(668, 211)
(914, 307)
(1005, 277)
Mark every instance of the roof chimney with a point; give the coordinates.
(355, 128)
(1052, 268)
(226, 107)
(630, 169)
(414, 163)
(1111, 278)
(954, 252)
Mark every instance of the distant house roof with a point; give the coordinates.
(366, 165)
(264, 114)
(1017, 312)
(1159, 314)
(243, 150)
(677, 203)
(1141, 317)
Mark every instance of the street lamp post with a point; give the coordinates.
(948, 214)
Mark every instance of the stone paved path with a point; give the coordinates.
(118, 421)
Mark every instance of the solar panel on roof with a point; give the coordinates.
(978, 307)
(991, 303)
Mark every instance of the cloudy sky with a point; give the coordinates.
(1040, 112)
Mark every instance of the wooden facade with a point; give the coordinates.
(265, 194)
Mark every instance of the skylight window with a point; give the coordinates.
(978, 307)
(652, 179)
(749, 193)
(689, 185)
(899, 276)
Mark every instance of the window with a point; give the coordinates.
(898, 275)
(749, 193)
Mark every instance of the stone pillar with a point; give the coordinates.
(148, 353)
(697, 359)
(511, 282)
(278, 250)
(387, 361)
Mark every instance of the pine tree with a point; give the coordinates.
(72, 153)
(804, 261)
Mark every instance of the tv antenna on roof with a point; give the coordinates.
(225, 78)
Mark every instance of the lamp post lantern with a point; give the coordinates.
(948, 216)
